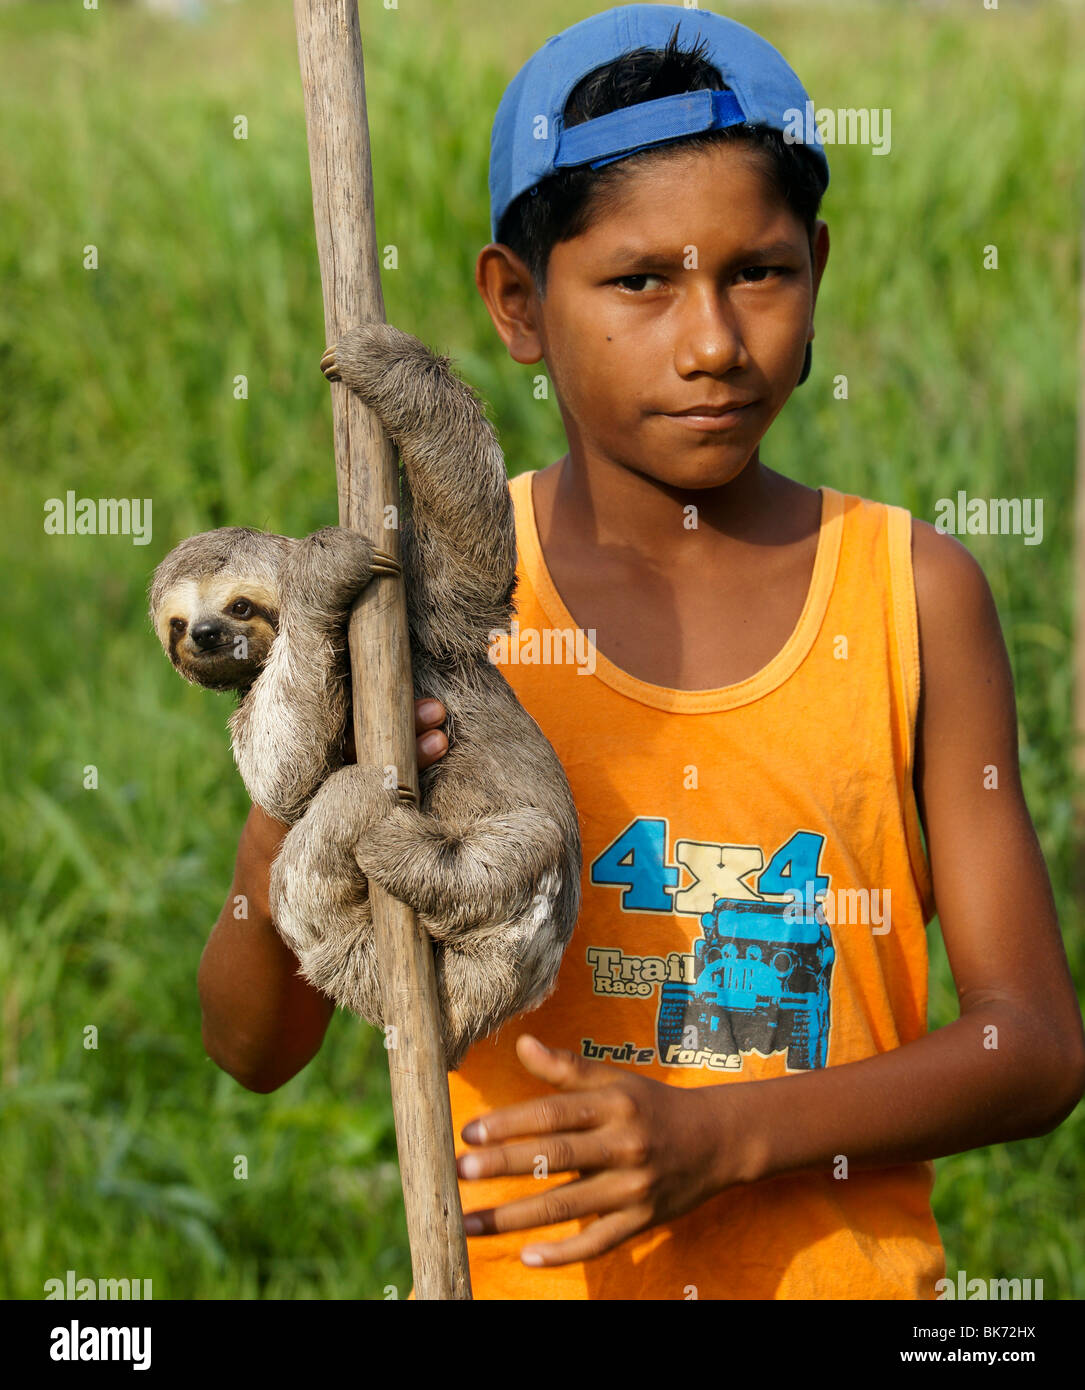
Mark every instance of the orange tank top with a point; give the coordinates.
(755, 901)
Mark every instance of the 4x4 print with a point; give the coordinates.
(759, 976)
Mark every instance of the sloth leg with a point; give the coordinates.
(320, 901)
(486, 978)
(476, 990)
(483, 873)
(320, 904)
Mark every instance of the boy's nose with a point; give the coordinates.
(710, 328)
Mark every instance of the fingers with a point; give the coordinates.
(430, 748)
(596, 1195)
(615, 1198)
(561, 1153)
(432, 743)
(544, 1115)
(605, 1234)
(428, 713)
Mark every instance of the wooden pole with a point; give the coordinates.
(333, 81)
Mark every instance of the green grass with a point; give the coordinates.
(120, 1160)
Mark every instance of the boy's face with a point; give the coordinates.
(697, 289)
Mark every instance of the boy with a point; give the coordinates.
(748, 747)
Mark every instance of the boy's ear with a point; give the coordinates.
(819, 255)
(508, 291)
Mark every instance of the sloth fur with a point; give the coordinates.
(490, 860)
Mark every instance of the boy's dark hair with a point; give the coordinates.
(566, 204)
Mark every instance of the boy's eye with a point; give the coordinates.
(622, 280)
(761, 271)
(750, 275)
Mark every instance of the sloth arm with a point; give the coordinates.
(262, 1022)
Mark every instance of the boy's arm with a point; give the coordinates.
(1013, 1065)
(262, 1021)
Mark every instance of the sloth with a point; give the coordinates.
(490, 858)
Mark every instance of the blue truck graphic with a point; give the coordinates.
(762, 973)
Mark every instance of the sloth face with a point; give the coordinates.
(218, 629)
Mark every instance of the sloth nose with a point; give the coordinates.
(205, 635)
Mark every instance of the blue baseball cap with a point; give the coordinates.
(529, 141)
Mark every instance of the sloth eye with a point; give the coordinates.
(178, 624)
(242, 608)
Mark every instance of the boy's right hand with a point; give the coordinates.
(429, 715)
(432, 743)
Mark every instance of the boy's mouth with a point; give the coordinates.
(713, 417)
(708, 408)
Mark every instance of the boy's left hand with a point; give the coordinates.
(649, 1152)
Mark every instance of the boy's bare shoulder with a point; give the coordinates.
(951, 589)
(967, 703)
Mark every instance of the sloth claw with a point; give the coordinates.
(328, 364)
(383, 563)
